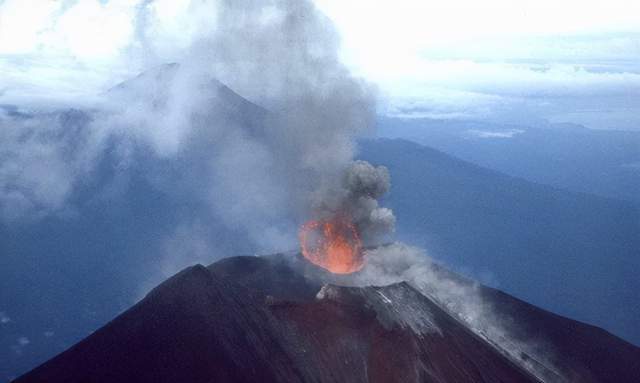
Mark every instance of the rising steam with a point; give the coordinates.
(258, 168)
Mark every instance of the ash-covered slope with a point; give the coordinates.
(236, 322)
(249, 319)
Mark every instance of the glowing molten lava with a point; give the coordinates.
(333, 244)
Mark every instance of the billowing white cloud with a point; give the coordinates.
(86, 29)
(384, 32)
(456, 59)
(22, 24)
(260, 165)
(489, 59)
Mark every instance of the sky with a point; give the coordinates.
(514, 61)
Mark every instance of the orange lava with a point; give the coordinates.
(333, 244)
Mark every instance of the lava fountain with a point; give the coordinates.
(333, 244)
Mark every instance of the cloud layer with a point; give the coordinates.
(573, 62)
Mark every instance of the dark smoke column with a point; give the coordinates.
(364, 184)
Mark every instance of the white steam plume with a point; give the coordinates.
(261, 166)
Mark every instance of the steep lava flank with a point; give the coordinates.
(267, 319)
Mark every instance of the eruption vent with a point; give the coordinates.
(349, 217)
(333, 244)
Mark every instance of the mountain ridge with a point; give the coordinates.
(546, 245)
(223, 322)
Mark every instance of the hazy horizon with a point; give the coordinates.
(573, 62)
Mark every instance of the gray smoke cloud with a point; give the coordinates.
(366, 184)
(256, 121)
(361, 186)
(295, 160)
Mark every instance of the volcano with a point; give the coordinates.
(280, 318)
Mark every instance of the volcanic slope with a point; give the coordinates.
(267, 319)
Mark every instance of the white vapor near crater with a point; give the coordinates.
(251, 116)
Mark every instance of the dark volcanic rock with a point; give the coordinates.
(268, 319)
(249, 320)
(192, 328)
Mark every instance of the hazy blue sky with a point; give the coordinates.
(565, 61)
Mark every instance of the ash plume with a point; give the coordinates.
(297, 159)
(366, 184)
(362, 185)
(254, 124)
